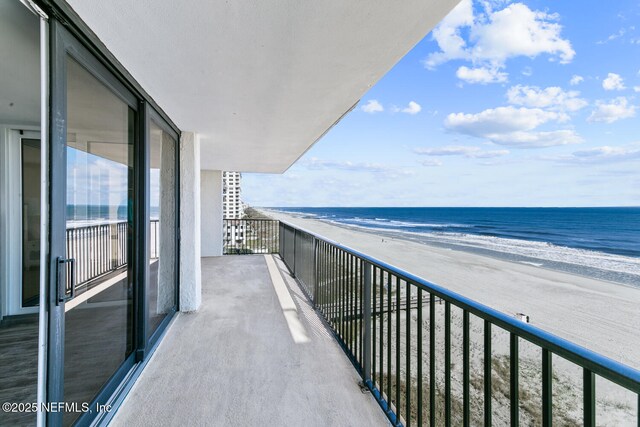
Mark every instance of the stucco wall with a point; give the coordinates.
(190, 269)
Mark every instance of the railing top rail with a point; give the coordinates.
(610, 369)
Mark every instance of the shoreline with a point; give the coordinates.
(575, 307)
(493, 254)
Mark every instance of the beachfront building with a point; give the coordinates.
(232, 206)
(117, 120)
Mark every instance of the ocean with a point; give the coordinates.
(602, 243)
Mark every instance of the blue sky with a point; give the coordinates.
(532, 103)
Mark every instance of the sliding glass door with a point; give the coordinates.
(113, 272)
(94, 199)
(20, 209)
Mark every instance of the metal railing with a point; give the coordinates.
(397, 329)
(99, 249)
(250, 236)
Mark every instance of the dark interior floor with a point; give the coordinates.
(18, 366)
(98, 338)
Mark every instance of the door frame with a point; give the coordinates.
(10, 192)
(62, 45)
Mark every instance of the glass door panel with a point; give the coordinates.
(98, 316)
(19, 209)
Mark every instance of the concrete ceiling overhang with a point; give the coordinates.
(259, 81)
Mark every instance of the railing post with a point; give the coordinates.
(315, 272)
(366, 324)
(293, 267)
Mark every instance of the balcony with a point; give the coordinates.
(297, 334)
(256, 353)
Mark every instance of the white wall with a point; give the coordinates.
(190, 268)
(211, 212)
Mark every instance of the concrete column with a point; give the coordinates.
(190, 270)
(211, 212)
(164, 232)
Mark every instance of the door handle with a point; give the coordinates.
(62, 279)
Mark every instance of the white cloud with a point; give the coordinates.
(391, 172)
(448, 35)
(513, 126)
(461, 150)
(412, 108)
(518, 31)
(481, 75)
(553, 98)
(501, 120)
(613, 82)
(617, 109)
(604, 154)
(431, 163)
(527, 71)
(522, 139)
(496, 36)
(636, 88)
(621, 32)
(576, 80)
(372, 106)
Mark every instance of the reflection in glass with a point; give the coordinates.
(161, 291)
(98, 321)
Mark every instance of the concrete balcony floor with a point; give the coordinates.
(249, 358)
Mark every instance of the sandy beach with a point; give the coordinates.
(595, 314)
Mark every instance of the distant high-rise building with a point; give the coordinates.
(232, 206)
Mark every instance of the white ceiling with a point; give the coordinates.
(20, 65)
(260, 81)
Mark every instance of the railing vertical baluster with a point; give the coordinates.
(334, 288)
(547, 388)
(340, 296)
(389, 325)
(354, 310)
(315, 272)
(398, 344)
(432, 360)
(382, 317)
(356, 304)
(487, 373)
(466, 416)
(408, 355)
(514, 392)
(447, 364)
(343, 296)
(374, 326)
(321, 276)
(419, 358)
(360, 264)
(366, 324)
(349, 283)
(589, 398)
(295, 244)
